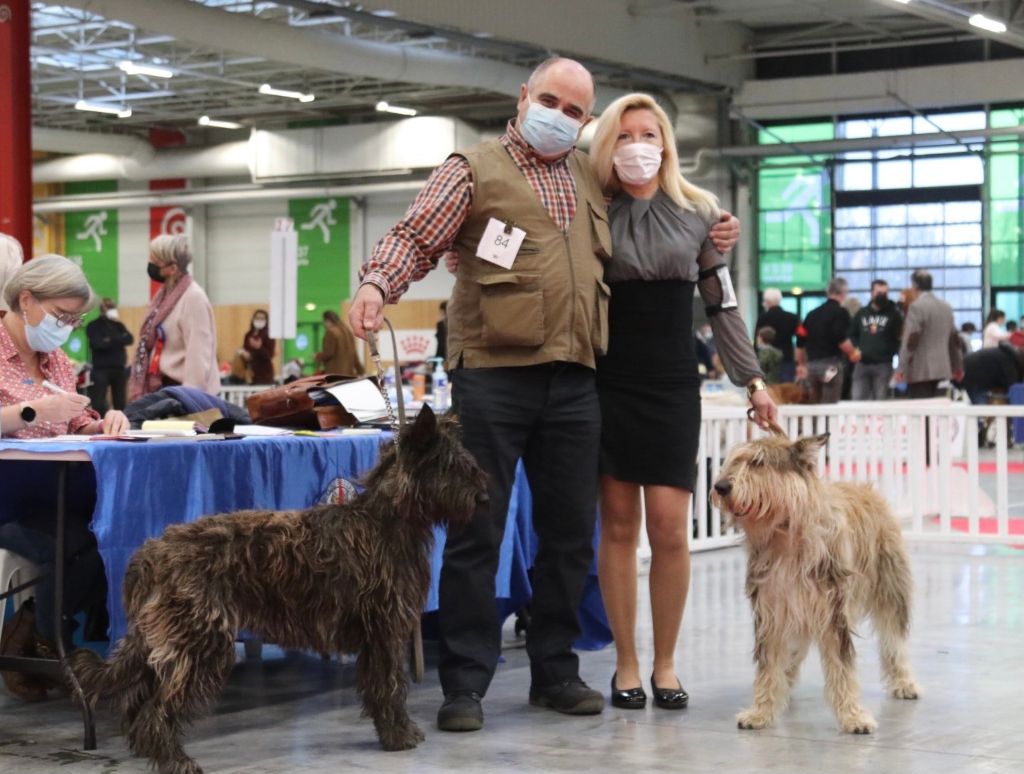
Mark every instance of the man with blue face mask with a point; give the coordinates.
(526, 217)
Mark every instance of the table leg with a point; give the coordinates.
(89, 742)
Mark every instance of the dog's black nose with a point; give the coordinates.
(723, 487)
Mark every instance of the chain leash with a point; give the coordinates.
(398, 419)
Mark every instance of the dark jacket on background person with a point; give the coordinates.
(993, 368)
(107, 341)
(785, 324)
(826, 328)
(876, 332)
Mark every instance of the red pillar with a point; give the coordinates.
(16, 122)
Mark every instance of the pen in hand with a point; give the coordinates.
(47, 384)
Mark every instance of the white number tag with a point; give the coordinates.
(500, 243)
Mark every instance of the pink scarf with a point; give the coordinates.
(145, 377)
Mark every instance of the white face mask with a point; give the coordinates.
(112, 314)
(637, 163)
(259, 324)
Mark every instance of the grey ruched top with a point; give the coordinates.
(655, 239)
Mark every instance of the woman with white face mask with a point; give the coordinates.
(46, 299)
(648, 382)
(258, 349)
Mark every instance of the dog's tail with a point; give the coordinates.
(125, 676)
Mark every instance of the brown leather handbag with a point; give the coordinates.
(290, 405)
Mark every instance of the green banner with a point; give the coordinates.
(323, 268)
(91, 241)
(1005, 186)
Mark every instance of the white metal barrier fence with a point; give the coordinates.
(236, 395)
(922, 455)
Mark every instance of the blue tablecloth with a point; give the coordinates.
(143, 487)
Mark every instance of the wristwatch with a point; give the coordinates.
(754, 386)
(27, 414)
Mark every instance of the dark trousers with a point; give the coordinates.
(929, 389)
(116, 379)
(826, 378)
(548, 415)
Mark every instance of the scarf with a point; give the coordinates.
(145, 377)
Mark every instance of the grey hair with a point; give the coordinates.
(172, 248)
(837, 286)
(550, 62)
(10, 261)
(49, 276)
(921, 279)
(772, 297)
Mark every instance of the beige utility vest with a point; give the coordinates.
(552, 305)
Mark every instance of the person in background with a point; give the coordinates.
(930, 351)
(994, 329)
(108, 338)
(967, 331)
(1017, 335)
(852, 305)
(768, 355)
(339, 354)
(784, 324)
(442, 331)
(647, 382)
(178, 339)
(992, 368)
(46, 299)
(876, 333)
(259, 349)
(11, 259)
(825, 345)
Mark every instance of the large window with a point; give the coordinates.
(1006, 196)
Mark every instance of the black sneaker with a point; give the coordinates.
(461, 711)
(570, 697)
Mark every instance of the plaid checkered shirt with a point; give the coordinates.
(427, 231)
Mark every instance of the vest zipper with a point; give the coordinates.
(572, 310)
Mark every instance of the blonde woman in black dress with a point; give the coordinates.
(648, 383)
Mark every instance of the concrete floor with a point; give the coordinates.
(295, 713)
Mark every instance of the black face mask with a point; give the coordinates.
(154, 273)
(880, 299)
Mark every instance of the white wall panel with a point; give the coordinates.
(238, 250)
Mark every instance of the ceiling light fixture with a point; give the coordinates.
(904, 2)
(981, 21)
(384, 107)
(95, 107)
(134, 68)
(266, 88)
(207, 121)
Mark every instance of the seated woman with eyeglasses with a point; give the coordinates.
(46, 299)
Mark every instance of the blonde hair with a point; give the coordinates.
(49, 276)
(172, 248)
(670, 180)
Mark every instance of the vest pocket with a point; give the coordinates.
(599, 330)
(512, 310)
(600, 234)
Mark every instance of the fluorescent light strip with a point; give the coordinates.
(981, 21)
(384, 107)
(207, 121)
(95, 107)
(134, 68)
(266, 88)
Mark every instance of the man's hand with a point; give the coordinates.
(958, 375)
(726, 233)
(898, 377)
(451, 261)
(367, 310)
(801, 372)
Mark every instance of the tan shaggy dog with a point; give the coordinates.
(822, 556)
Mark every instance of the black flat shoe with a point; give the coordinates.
(631, 698)
(669, 698)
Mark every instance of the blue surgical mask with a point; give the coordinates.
(550, 132)
(47, 336)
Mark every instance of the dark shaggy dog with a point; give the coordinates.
(334, 579)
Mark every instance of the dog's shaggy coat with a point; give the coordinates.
(821, 557)
(333, 579)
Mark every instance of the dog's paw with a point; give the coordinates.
(402, 739)
(752, 719)
(906, 689)
(859, 721)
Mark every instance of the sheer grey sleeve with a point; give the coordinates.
(731, 340)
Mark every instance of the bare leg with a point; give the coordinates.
(617, 571)
(668, 528)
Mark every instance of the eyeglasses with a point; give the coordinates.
(65, 319)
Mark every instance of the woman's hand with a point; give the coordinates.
(61, 407)
(726, 233)
(115, 423)
(765, 410)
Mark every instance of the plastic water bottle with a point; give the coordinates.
(442, 399)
